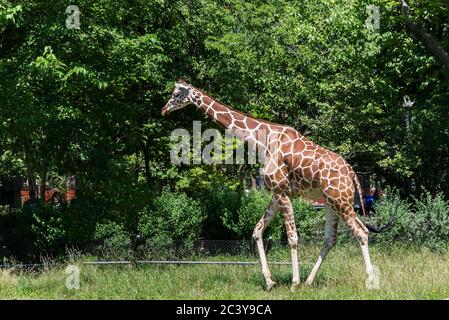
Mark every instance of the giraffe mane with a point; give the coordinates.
(240, 112)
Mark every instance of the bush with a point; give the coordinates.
(172, 218)
(252, 208)
(80, 221)
(423, 222)
(14, 236)
(221, 204)
(309, 221)
(48, 229)
(391, 204)
(115, 240)
(34, 231)
(429, 224)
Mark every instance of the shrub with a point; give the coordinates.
(80, 221)
(429, 224)
(115, 240)
(423, 222)
(47, 229)
(32, 232)
(252, 208)
(172, 218)
(391, 204)
(221, 204)
(13, 241)
(309, 221)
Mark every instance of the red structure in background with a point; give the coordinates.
(25, 196)
(318, 204)
(69, 195)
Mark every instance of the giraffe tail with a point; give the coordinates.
(359, 191)
(370, 227)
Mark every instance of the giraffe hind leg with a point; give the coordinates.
(360, 232)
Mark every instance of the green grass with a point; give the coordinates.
(405, 273)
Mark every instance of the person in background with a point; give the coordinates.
(370, 201)
(376, 194)
(357, 205)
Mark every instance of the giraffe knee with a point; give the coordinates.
(363, 239)
(361, 235)
(293, 240)
(258, 231)
(359, 230)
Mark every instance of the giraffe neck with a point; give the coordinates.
(225, 116)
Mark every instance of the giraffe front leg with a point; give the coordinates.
(285, 206)
(268, 216)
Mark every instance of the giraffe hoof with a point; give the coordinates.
(269, 285)
(309, 282)
(295, 286)
(371, 282)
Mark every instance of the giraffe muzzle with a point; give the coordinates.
(165, 111)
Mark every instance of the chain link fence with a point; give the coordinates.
(199, 251)
(151, 250)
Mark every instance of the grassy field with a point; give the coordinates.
(405, 273)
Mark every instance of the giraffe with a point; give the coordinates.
(292, 165)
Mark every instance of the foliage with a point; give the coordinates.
(171, 219)
(87, 103)
(47, 228)
(312, 64)
(422, 222)
(430, 221)
(253, 205)
(391, 204)
(221, 205)
(115, 240)
(309, 221)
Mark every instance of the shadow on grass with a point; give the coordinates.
(284, 278)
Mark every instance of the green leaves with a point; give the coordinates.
(8, 13)
(87, 102)
(172, 216)
(83, 73)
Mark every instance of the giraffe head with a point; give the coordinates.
(179, 97)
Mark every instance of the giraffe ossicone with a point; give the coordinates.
(293, 166)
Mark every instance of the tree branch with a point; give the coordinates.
(426, 39)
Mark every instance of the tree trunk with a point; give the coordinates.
(146, 157)
(44, 179)
(253, 182)
(242, 179)
(30, 169)
(136, 168)
(426, 39)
